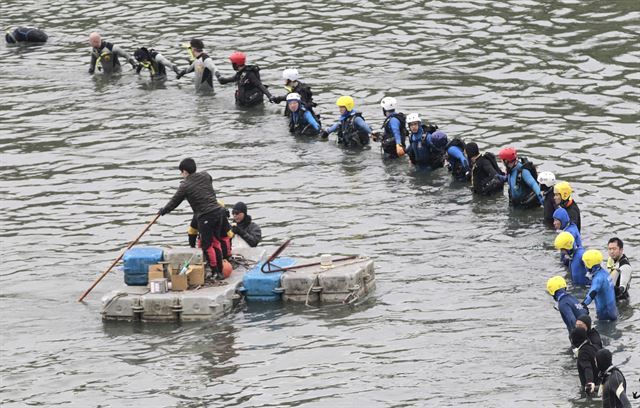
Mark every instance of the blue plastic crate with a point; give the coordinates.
(136, 264)
(260, 286)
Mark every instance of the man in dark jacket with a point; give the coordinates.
(197, 188)
(614, 385)
(584, 322)
(486, 176)
(247, 77)
(586, 352)
(244, 226)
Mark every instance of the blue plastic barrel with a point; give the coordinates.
(136, 264)
(260, 286)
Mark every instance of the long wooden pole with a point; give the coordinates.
(119, 258)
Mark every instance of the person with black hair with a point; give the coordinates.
(153, 61)
(614, 385)
(486, 177)
(197, 189)
(585, 323)
(586, 364)
(619, 268)
(202, 66)
(243, 225)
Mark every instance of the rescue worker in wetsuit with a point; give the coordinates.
(426, 144)
(352, 129)
(486, 176)
(394, 129)
(602, 288)
(619, 268)
(586, 363)
(569, 307)
(202, 66)
(565, 243)
(613, 386)
(292, 84)
(584, 321)
(197, 189)
(547, 180)
(457, 162)
(104, 55)
(562, 197)
(524, 190)
(25, 35)
(243, 225)
(155, 62)
(302, 122)
(249, 86)
(561, 222)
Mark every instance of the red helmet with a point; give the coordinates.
(508, 154)
(238, 58)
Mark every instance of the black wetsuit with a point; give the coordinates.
(587, 369)
(485, 176)
(248, 230)
(614, 389)
(250, 88)
(549, 205)
(574, 212)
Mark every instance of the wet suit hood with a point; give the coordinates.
(603, 359)
(559, 293)
(347, 114)
(586, 319)
(578, 337)
(562, 215)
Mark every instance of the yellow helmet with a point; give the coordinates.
(555, 283)
(564, 240)
(591, 258)
(564, 189)
(347, 102)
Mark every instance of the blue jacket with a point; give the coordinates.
(569, 307)
(562, 215)
(603, 292)
(303, 118)
(358, 122)
(519, 191)
(457, 159)
(395, 124)
(576, 266)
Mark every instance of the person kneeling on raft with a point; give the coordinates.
(352, 129)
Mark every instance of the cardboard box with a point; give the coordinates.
(179, 282)
(156, 271)
(195, 275)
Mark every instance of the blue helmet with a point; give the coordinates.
(439, 139)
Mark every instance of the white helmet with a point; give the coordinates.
(388, 103)
(290, 74)
(293, 97)
(547, 178)
(413, 117)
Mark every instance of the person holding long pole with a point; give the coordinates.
(197, 189)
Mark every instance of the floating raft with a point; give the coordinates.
(310, 281)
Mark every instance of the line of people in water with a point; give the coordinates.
(427, 147)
